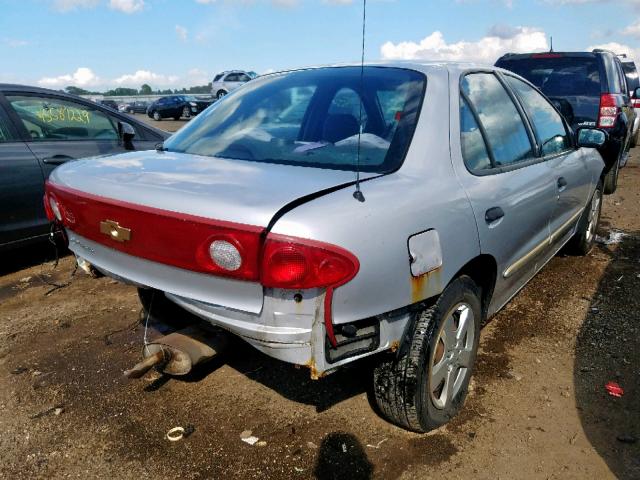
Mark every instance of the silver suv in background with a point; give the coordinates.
(225, 82)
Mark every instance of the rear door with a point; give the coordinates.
(21, 187)
(566, 166)
(509, 186)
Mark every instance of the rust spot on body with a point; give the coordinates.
(311, 365)
(395, 345)
(425, 285)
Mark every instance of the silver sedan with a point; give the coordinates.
(329, 214)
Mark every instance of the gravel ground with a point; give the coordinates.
(538, 406)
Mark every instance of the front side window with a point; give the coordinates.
(5, 136)
(243, 78)
(548, 124)
(312, 118)
(506, 134)
(55, 119)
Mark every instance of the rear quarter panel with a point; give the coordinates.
(424, 194)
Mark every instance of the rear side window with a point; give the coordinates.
(474, 150)
(631, 73)
(613, 75)
(506, 134)
(547, 122)
(218, 77)
(55, 119)
(558, 76)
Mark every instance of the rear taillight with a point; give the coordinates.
(52, 208)
(608, 111)
(298, 263)
(635, 102)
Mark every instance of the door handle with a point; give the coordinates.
(57, 159)
(493, 214)
(562, 183)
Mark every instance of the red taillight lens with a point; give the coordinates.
(608, 111)
(297, 263)
(636, 102)
(47, 208)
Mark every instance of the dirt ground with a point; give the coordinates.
(538, 406)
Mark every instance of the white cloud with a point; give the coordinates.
(82, 77)
(618, 48)
(16, 43)
(68, 5)
(136, 79)
(632, 30)
(338, 2)
(182, 33)
(127, 6)
(277, 3)
(498, 41)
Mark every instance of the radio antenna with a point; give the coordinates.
(551, 50)
(358, 193)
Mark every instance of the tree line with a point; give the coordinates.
(144, 90)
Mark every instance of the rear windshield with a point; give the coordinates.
(558, 76)
(317, 118)
(632, 75)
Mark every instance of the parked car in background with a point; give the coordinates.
(138, 106)
(176, 106)
(250, 217)
(225, 82)
(633, 83)
(591, 90)
(40, 129)
(112, 104)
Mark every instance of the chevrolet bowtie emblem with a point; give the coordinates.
(115, 231)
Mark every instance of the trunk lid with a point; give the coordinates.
(223, 189)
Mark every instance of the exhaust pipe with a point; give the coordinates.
(178, 352)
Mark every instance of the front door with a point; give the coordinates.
(566, 166)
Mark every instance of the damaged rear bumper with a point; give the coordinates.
(284, 324)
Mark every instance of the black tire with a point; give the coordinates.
(186, 112)
(610, 179)
(220, 94)
(401, 382)
(156, 116)
(585, 236)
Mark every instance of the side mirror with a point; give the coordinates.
(591, 138)
(636, 93)
(126, 133)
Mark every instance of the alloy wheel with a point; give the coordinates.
(451, 360)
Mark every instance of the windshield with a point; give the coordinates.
(558, 76)
(312, 118)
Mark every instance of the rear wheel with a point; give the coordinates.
(186, 113)
(156, 116)
(610, 181)
(584, 238)
(221, 93)
(426, 386)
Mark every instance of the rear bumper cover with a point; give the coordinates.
(268, 319)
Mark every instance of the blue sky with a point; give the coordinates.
(175, 43)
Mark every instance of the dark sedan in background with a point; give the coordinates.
(40, 129)
(135, 107)
(176, 107)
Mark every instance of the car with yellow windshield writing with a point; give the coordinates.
(41, 129)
